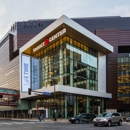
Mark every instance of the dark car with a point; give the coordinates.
(83, 117)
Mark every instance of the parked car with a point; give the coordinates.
(83, 117)
(108, 118)
(128, 118)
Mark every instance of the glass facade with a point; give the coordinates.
(8, 97)
(124, 78)
(75, 65)
(70, 104)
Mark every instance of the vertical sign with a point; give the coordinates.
(35, 73)
(25, 73)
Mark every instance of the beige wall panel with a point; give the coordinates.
(4, 48)
(9, 70)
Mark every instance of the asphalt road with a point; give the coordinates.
(55, 125)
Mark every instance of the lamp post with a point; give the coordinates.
(52, 73)
(54, 101)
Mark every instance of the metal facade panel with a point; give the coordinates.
(9, 70)
(33, 29)
(124, 38)
(111, 36)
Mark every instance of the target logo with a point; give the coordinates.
(46, 42)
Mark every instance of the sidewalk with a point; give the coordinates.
(35, 119)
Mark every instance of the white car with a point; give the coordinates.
(128, 118)
(108, 119)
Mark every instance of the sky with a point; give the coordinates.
(12, 11)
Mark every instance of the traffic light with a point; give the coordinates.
(29, 91)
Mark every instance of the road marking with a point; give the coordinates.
(5, 123)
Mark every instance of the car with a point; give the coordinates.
(83, 117)
(108, 118)
(128, 118)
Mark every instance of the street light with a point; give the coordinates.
(52, 73)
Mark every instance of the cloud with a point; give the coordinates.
(4, 30)
(2, 10)
(123, 10)
(67, 7)
(17, 10)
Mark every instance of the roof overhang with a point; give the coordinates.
(73, 30)
(67, 89)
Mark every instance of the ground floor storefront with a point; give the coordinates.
(66, 105)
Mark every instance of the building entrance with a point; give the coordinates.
(40, 110)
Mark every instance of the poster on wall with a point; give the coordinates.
(25, 73)
(35, 73)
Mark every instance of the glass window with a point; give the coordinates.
(75, 43)
(57, 43)
(72, 61)
(123, 78)
(67, 38)
(71, 41)
(78, 44)
(82, 47)
(53, 45)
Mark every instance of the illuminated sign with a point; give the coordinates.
(47, 41)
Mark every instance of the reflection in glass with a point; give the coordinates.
(124, 78)
(75, 65)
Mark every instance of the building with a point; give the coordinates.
(17, 36)
(71, 58)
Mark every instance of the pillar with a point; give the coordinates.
(66, 112)
(12, 114)
(102, 107)
(88, 75)
(61, 65)
(49, 113)
(87, 105)
(71, 68)
(75, 105)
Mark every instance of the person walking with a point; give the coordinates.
(54, 116)
(60, 115)
(39, 117)
(21, 115)
(42, 116)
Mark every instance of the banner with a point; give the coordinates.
(35, 74)
(25, 73)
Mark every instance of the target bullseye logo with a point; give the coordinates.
(46, 42)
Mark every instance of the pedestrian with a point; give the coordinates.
(21, 115)
(42, 116)
(53, 116)
(60, 114)
(39, 117)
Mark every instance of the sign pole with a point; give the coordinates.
(54, 102)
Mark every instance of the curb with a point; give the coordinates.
(36, 120)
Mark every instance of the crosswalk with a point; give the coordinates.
(18, 123)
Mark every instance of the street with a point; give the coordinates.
(55, 125)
